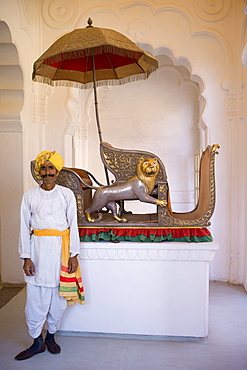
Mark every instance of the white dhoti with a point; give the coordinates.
(43, 305)
(41, 210)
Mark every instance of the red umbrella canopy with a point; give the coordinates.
(69, 61)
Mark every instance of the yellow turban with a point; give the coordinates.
(55, 158)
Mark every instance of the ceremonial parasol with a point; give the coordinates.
(90, 57)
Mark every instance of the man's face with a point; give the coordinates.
(48, 173)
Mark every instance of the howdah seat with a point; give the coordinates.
(122, 164)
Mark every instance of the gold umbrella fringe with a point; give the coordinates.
(122, 81)
(75, 54)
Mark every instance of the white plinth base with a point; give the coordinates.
(143, 289)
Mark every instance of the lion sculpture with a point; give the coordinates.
(138, 187)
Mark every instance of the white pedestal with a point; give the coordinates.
(143, 289)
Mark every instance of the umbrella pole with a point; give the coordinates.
(96, 101)
(97, 114)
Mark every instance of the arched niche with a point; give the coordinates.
(11, 153)
(11, 89)
(162, 114)
(184, 65)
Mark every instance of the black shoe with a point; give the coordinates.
(51, 345)
(38, 346)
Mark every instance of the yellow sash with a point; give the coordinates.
(71, 287)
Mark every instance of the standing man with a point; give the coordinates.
(49, 245)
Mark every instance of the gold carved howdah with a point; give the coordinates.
(124, 164)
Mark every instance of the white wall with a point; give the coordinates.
(195, 98)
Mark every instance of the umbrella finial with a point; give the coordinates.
(89, 22)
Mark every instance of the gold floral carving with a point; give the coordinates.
(69, 180)
(122, 163)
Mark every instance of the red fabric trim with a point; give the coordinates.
(176, 232)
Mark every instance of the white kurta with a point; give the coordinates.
(53, 209)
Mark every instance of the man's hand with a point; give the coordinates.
(28, 267)
(72, 265)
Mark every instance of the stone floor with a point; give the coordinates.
(223, 349)
(7, 292)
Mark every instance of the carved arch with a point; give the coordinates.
(181, 61)
(11, 90)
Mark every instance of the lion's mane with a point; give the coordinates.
(148, 178)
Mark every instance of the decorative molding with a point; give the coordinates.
(212, 10)
(87, 99)
(28, 10)
(154, 7)
(72, 105)
(72, 130)
(232, 98)
(235, 98)
(40, 98)
(60, 14)
(137, 28)
(242, 101)
(149, 252)
(86, 119)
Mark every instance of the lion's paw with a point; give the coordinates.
(161, 203)
(90, 219)
(122, 220)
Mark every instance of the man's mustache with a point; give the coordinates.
(48, 175)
